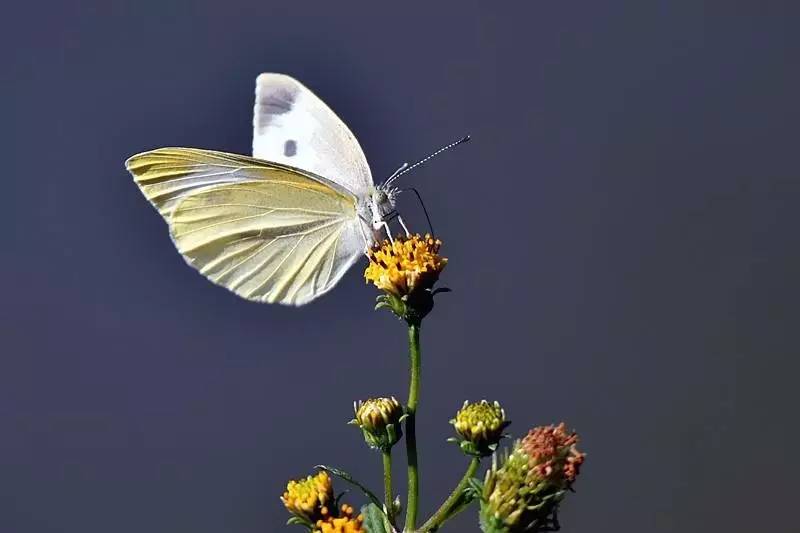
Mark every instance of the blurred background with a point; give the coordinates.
(622, 235)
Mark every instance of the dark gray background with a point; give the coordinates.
(622, 235)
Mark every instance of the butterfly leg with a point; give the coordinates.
(388, 218)
(385, 226)
(403, 224)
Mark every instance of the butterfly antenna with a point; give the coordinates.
(396, 172)
(407, 168)
(419, 197)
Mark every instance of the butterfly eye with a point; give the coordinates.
(379, 197)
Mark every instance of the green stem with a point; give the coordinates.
(411, 434)
(444, 512)
(387, 485)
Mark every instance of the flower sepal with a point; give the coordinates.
(470, 448)
(298, 521)
(411, 307)
(393, 303)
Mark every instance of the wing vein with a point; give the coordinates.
(288, 255)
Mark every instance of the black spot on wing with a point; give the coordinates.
(290, 148)
(277, 101)
(272, 102)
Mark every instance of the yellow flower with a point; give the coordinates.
(407, 264)
(345, 523)
(308, 498)
(481, 426)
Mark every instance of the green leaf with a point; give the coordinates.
(373, 518)
(341, 474)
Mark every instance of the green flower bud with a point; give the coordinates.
(379, 420)
(524, 487)
(480, 427)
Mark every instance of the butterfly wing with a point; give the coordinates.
(291, 125)
(268, 232)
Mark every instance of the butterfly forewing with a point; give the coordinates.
(291, 125)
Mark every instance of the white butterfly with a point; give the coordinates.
(284, 225)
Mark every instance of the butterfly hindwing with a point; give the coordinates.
(267, 232)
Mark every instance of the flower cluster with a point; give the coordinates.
(345, 523)
(480, 426)
(523, 489)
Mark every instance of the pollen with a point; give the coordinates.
(406, 264)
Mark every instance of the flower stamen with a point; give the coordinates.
(405, 264)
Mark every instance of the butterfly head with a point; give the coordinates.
(382, 205)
